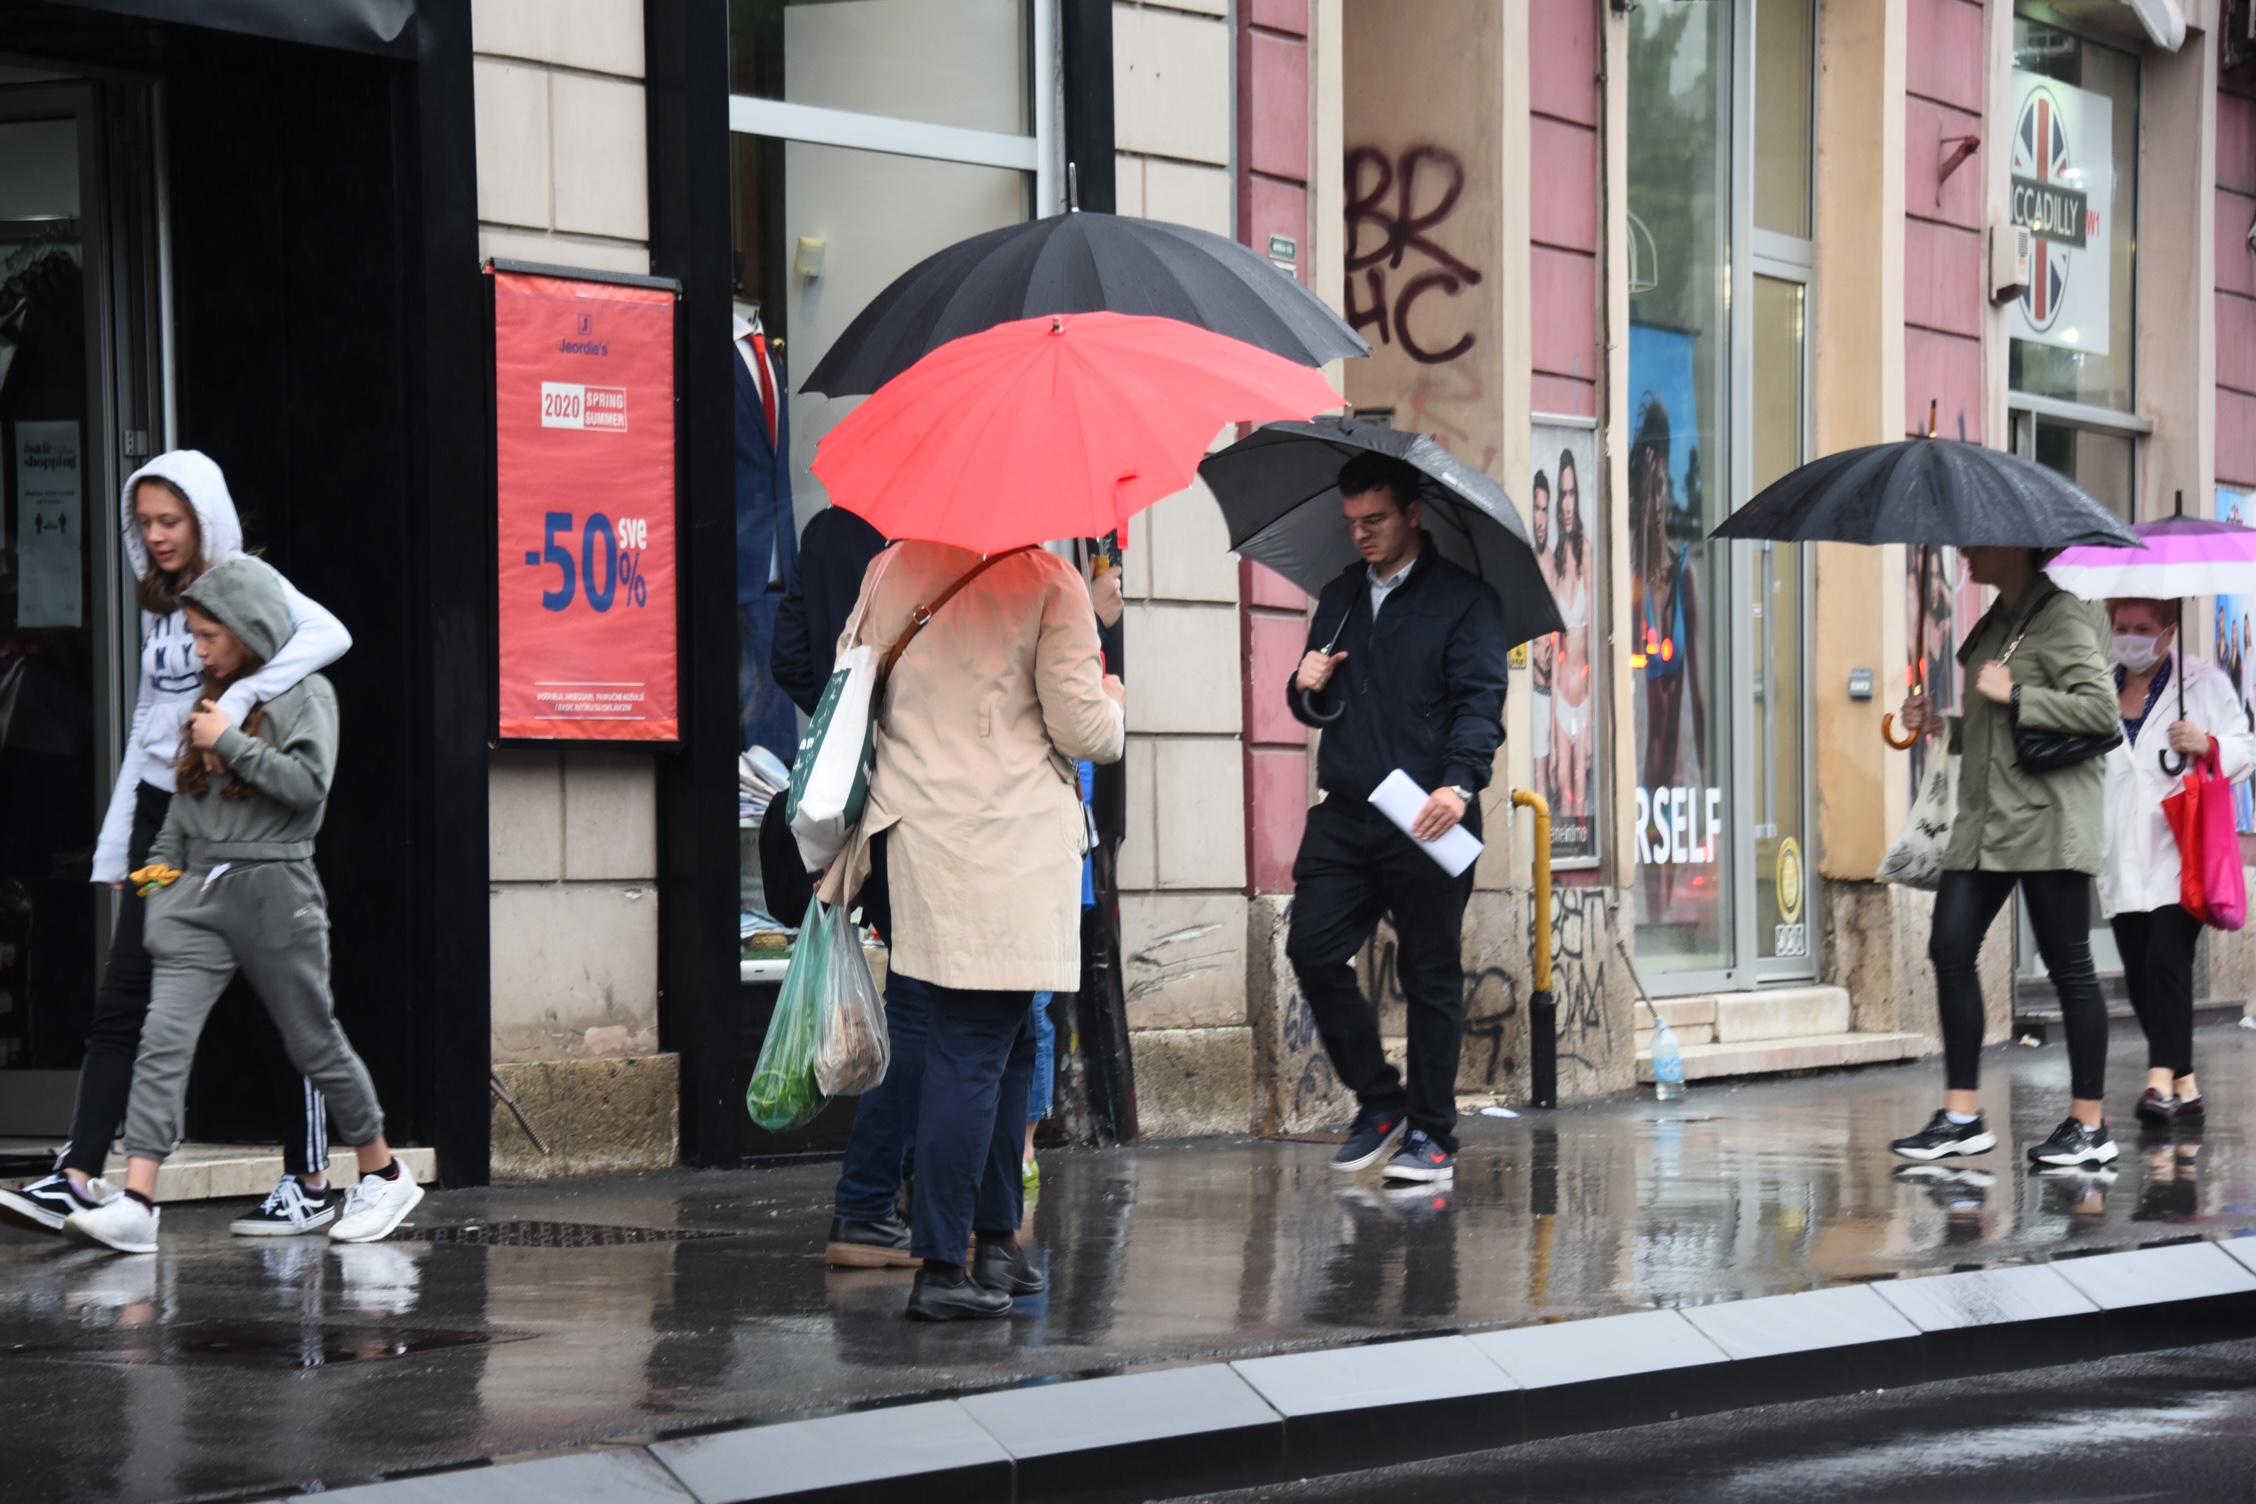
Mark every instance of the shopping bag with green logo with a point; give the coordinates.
(830, 776)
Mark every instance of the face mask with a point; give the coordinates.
(2137, 653)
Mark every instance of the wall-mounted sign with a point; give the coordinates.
(50, 525)
(584, 469)
(2063, 193)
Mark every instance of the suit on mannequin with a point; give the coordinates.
(766, 536)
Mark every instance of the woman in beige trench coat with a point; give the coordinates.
(977, 798)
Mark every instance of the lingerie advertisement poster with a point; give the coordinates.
(1566, 521)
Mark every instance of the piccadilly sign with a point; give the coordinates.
(2063, 184)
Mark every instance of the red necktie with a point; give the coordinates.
(766, 377)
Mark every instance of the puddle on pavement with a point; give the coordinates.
(215, 1344)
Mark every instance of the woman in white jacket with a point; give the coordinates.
(179, 520)
(2138, 880)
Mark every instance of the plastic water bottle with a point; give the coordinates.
(1668, 1062)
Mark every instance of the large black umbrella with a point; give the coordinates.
(1932, 492)
(1938, 492)
(1081, 263)
(1279, 490)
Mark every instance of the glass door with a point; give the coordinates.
(55, 531)
(2103, 463)
(1773, 580)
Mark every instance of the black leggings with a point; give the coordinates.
(2157, 949)
(2059, 905)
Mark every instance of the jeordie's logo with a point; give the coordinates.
(2049, 201)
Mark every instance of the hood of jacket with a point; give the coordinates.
(199, 478)
(245, 596)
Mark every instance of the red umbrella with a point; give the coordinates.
(1055, 427)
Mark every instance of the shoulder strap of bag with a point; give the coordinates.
(2028, 618)
(923, 614)
(885, 558)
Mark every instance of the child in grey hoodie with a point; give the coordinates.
(231, 883)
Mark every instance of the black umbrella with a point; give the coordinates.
(1932, 492)
(1279, 490)
(1939, 492)
(1081, 263)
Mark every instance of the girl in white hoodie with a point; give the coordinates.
(180, 520)
(2139, 872)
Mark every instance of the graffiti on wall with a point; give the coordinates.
(1492, 1000)
(1397, 205)
(1579, 951)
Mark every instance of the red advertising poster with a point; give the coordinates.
(584, 449)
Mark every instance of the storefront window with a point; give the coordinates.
(868, 135)
(2075, 186)
(1679, 468)
(1784, 76)
(960, 64)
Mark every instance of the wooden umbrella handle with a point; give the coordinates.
(1888, 734)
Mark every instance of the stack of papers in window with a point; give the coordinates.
(760, 776)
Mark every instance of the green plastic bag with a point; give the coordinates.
(783, 1094)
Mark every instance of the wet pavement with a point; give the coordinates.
(521, 1320)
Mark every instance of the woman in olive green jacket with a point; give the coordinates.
(2034, 662)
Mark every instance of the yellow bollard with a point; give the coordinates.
(1543, 1007)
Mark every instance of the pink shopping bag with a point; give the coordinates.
(2211, 884)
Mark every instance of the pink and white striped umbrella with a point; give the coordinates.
(2182, 556)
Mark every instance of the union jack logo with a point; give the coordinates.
(2040, 151)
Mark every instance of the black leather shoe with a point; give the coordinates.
(998, 1270)
(882, 1244)
(967, 1300)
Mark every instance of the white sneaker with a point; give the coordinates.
(375, 1207)
(121, 1223)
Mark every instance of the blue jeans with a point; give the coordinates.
(1040, 1090)
(885, 1122)
(971, 1132)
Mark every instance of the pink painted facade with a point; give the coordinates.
(1273, 177)
(2236, 283)
(1564, 191)
(1943, 237)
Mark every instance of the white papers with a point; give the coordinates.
(1399, 800)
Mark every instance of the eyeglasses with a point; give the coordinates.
(1366, 524)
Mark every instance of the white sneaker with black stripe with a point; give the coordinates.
(44, 1205)
(291, 1210)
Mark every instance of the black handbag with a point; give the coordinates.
(2037, 750)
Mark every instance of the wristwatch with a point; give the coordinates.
(1461, 792)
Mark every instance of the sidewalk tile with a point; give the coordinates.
(618, 1476)
(1376, 1377)
(1609, 1347)
(1984, 1297)
(2242, 1248)
(1775, 1325)
(1044, 1420)
(2150, 1276)
(937, 1445)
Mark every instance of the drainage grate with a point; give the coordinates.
(557, 1234)
(248, 1344)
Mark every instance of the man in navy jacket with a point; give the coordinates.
(1405, 669)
